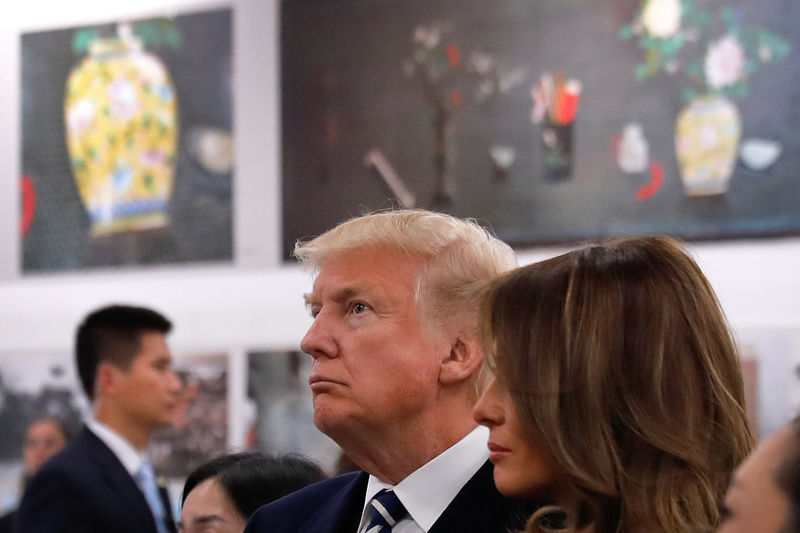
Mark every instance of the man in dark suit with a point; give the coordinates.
(101, 482)
(395, 376)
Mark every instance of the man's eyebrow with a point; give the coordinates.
(205, 519)
(338, 296)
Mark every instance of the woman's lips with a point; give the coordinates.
(497, 452)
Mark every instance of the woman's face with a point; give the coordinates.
(522, 467)
(754, 501)
(208, 509)
(43, 439)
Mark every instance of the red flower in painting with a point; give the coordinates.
(452, 55)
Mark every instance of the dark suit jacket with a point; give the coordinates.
(84, 488)
(8, 522)
(335, 506)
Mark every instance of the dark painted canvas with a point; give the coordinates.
(550, 120)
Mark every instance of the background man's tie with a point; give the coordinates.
(147, 481)
(385, 511)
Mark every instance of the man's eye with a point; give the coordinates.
(360, 308)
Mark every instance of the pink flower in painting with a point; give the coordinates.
(152, 157)
(124, 102)
(80, 116)
(724, 62)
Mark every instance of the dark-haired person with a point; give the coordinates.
(43, 437)
(101, 482)
(765, 493)
(618, 393)
(220, 495)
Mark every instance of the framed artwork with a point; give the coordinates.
(553, 121)
(283, 420)
(127, 146)
(201, 431)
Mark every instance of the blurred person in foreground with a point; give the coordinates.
(618, 395)
(101, 482)
(395, 374)
(43, 438)
(220, 495)
(765, 493)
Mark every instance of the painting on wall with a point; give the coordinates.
(200, 431)
(552, 121)
(283, 414)
(127, 146)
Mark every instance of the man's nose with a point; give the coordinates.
(318, 340)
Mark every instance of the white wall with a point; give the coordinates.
(256, 302)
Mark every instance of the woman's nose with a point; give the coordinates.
(488, 410)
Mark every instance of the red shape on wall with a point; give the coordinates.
(657, 179)
(28, 192)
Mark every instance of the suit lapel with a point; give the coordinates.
(165, 501)
(119, 482)
(342, 512)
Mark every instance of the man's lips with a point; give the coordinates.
(316, 380)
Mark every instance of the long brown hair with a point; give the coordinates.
(619, 360)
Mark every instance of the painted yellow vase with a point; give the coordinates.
(707, 133)
(121, 130)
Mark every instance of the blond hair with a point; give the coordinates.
(459, 255)
(619, 360)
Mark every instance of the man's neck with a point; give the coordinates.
(135, 435)
(394, 457)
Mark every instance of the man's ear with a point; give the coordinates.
(105, 380)
(463, 361)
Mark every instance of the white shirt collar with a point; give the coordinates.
(129, 456)
(428, 491)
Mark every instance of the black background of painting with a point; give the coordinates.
(200, 207)
(359, 47)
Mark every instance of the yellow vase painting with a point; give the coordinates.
(121, 130)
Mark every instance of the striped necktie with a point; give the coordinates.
(385, 510)
(147, 481)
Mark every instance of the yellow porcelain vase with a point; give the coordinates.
(121, 130)
(707, 133)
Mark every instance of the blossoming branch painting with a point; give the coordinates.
(553, 121)
(127, 147)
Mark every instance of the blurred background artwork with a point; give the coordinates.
(200, 432)
(33, 386)
(553, 121)
(282, 408)
(127, 147)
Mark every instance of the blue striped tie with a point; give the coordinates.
(385, 511)
(147, 481)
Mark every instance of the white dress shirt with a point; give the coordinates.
(129, 456)
(428, 491)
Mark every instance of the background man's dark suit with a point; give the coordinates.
(85, 489)
(335, 506)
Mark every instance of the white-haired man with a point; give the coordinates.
(396, 373)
